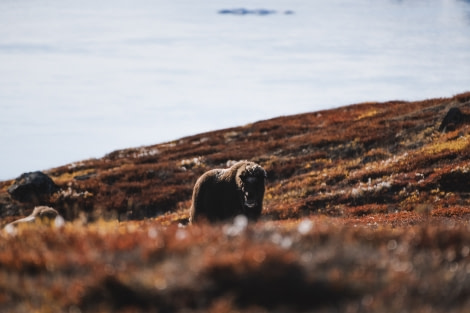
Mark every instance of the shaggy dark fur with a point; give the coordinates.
(221, 194)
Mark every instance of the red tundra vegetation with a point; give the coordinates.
(367, 209)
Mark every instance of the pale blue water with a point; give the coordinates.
(79, 79)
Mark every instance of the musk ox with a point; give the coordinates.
(221, 194)
(40, 215)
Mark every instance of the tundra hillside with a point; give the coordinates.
(366, 210)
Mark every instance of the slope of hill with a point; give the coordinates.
(366, 209)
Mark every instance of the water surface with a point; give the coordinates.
(79, 79)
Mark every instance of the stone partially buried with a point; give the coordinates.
(32, 187)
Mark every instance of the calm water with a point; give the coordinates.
(79, 79)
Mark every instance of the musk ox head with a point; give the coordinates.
(222, 194)
(250, 180)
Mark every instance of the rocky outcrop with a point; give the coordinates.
(453, 119)
(34, 187)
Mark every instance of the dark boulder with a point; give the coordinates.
(452, 120)
(33, 187)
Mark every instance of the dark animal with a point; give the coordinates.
(40, 214)
(453, 119)
(221, 194)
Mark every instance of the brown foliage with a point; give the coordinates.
(366, 210)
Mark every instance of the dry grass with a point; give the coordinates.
(366, 210)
